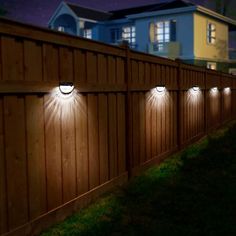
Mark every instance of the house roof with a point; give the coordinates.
(118, 14)
(89, 13)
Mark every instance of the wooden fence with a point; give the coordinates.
(59, 153)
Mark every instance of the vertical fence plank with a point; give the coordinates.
(142, 137)
(16, 161)
(103, 137)
(79, 65)
(66, 64)
(121, 133)
(111, 69)
(93, 141)
(112, 120)
(53, 152)
(120, 71)
(148, 126)
(91, 68)
(33, 61)
(50, 62)
(81, 120)
(102, 69)
(3, 194)
(68, 152)
(36, 156)
(12, 59)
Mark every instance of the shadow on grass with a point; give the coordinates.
(193, 193)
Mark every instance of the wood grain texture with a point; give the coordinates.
(53, 144)
(12, 59)
(16, 161)
(94, 177)
(36, 156)
(33, 61)
(3, 192)
(82, 161)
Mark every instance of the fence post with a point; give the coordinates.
(178, 117)
(221, 99)
(128, 119)
(205, 102)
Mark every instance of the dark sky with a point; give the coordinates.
(38, 12)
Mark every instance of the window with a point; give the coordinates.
(211, 65)
(115, 35)
(129, 34)
(162, 34)
(61, 28)
(211, 33)
(88, 33)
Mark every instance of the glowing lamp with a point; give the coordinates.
(227, 90)
(160, 88)
(66, 87)
(196, 88)
(214, 89)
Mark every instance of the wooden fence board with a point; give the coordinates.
(12, 59)
(93, 141)
(102, 69)
(91, 67)
(103, 137)
(33, 61)
(36, 156)
(79, 66)
(3, 193)
(16, 161)
(121, 133)
(66, 64)
(112, 120)
(81, 120)
(53, 152)
(51, 62)
(68, 151)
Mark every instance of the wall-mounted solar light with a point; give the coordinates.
(160, 88)
(196, 88)
(66, 87)
(227, 90)
(214, 89)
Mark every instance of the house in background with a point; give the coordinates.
(176, 29)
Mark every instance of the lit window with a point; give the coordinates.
(211, 33)
(88, 33)
(211, 65)
(129, 34)
(115, 35)
(162, 34)
(61, 28)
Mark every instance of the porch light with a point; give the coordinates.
(66, 87)
(160, 88)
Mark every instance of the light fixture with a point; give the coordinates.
(160, 88)
(214, 89)
(195, 88)
(66, 87)
(227, 89)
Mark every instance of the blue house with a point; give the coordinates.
(176, 29)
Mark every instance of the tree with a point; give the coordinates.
(222, 6)
(3, 12)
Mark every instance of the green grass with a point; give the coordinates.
(191, 193)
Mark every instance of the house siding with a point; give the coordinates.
(202, 49)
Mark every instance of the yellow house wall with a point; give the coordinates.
(202, 49)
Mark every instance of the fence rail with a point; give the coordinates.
(57, 153)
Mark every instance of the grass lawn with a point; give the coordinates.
(191, 193)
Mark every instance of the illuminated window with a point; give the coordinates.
(115, 35)
(88, 33)
(129, 34)
(211, 65)
(211, 33)
(162, 34)
(61, 28)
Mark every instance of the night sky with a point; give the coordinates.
(38, 12)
